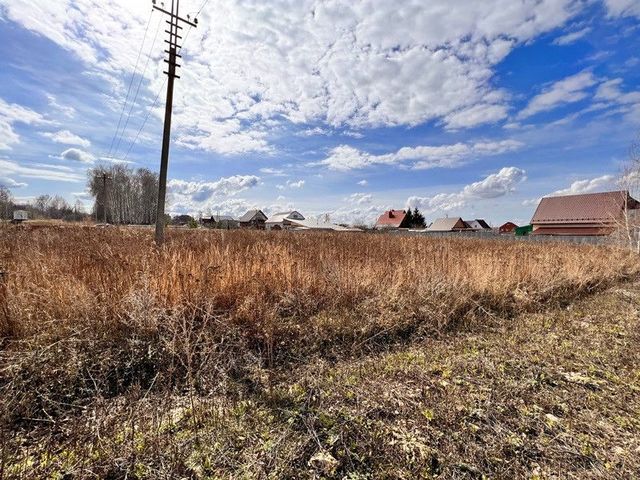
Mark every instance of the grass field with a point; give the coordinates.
(235, 354)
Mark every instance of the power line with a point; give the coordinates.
(155, 101)
(135, 98)
(133, 74)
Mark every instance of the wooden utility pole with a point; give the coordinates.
(174, 26)
(104, 197)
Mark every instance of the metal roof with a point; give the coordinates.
(223, 218)
(604, 207)
(282, 216)
(447, 225)
(251, 214)
(478, 224)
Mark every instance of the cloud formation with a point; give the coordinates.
(623, 8)
(11, 113)
(495, 185)
(67, 138)
(345, 157)
(572, 37)
(568, 90)
(77, 155)
(337, 65)
(191, 196)
(9, 167)
(7, 182)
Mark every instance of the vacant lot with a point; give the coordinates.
(254, 355)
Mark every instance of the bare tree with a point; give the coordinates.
(6, 203)
(629, 224)
(123, 195)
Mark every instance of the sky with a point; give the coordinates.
(341, 108)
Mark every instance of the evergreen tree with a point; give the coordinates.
(418, 219)
(408, 219)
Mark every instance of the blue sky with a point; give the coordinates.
(459, 107)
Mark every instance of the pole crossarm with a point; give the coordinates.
(176, 17)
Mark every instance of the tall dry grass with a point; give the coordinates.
(90, 313)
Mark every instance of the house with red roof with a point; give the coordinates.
(508, 227)
(392, 219)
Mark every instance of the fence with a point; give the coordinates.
(577, 239)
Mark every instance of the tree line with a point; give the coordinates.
(44, 206)
(124, 195)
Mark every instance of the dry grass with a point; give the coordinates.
(107, 342)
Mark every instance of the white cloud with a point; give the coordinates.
(345, 157)
(66, 110)
(587, 186)
(568, 90)
(359, 198)
(77, 155)
(338, 64)
(276, 172)
(572, 37)
(476, 115)
(592, 185)
(310, 132)
(365, 214)
(609, 91)
(621, 8)
(11, 183)
(363, 183)
(200, 193)
(11, 113)
(493, 186)
(15, 169)
(291, 184)
(68, 138)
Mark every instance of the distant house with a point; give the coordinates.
(392, 219)
(478, 225)
(448, 225)
(219, 221)
(589, 214)
(253, 219)
(282, 220)
(182, 220)
(508, 227)
(20, 216)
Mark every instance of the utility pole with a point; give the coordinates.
(174, 26)
(104, 197)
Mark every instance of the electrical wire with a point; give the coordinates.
(133, 74)
(155, 101)
(135, 98)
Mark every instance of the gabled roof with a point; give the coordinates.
(391, 218)
(448, 225)
(604, 207)
(478, 224)
(508, 225)
(223, 218)
(252, 215)
(282, 216)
